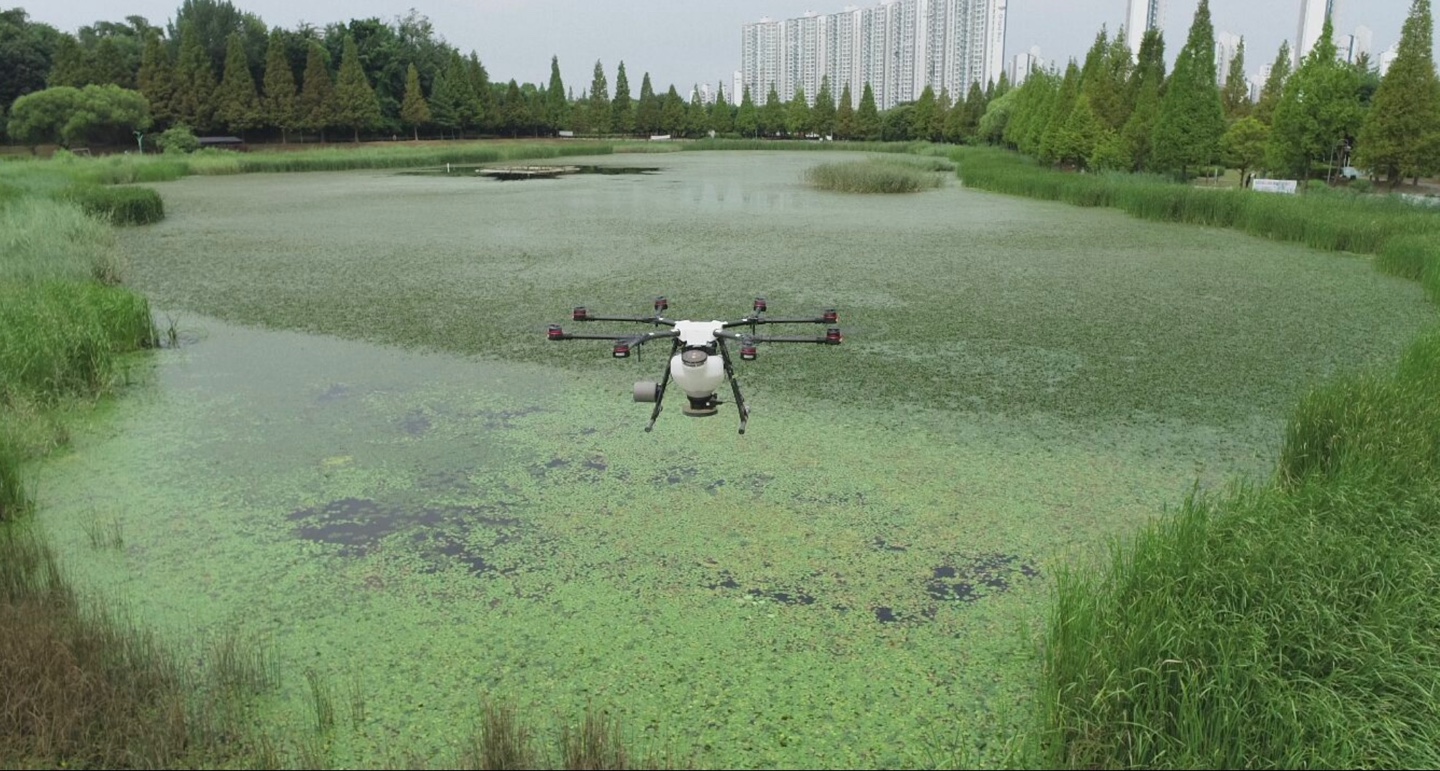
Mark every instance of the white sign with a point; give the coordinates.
(1274, 186)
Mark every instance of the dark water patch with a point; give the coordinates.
(728, 582)
(335, 393)
(677, 475)
(415, 423)
(715, 486)
(493, 419)
(357, 525)
(557, 463)
(885, 615)
(880, 544)
(973, 577)
(596, 463)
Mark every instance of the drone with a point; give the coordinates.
(699, 361)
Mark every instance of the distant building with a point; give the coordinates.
(1024, 64)
(898, 47)
(1140, 17)
(1388, 56)
(1227, 45)
(1313, 14)
(1355, 45)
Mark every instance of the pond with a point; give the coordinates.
(368, 455)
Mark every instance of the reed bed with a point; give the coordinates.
(876, 175)
(119, 205)
(1284, 624)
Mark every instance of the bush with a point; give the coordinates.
(119, 205)
(875, 176)
(178, 139)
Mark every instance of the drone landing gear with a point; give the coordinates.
(656, 391)
(740, 404)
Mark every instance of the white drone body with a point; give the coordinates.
(699, 362)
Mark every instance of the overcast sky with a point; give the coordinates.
(683, 42)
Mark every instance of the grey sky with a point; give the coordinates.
(688, 42)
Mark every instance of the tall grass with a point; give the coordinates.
(875, 175)
(1291, 623)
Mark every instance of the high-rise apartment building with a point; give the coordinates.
(1313, 14)
(1025, 64)
(1227, 46)
(897, 47)
(1140, 17)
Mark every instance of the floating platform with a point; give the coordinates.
(527, 172)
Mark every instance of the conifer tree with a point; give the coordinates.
(845, 115)
(557, 109)
(236, 105)
(1110, 98)
(414, 110)
(647, 111)
(747, 118)
(481, 97)
(193, 100)
(922, 117)
(1235, 97)
(453, 103)
(70, 64)
(968, 115)
(622, 110)
(279, 104)
(722, 115)
(108, 65)
(772, 115)
(515, 113)
(316, 101)
(1401, 133)
(1191, 122)
(697, 120)
(867, 117)
(1318, 110)
(822, 116)
(356, 105)
(797, 114)
(1144, 88)
(673, 120)
(156, 78)
(1048, 144)
(1274, 86)
(600, 101)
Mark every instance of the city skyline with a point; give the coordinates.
(689, 44)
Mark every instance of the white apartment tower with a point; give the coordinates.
(1141, 16)
(1313, 14)
(1227, 45)
(898, 47)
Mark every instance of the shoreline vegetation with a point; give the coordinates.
(1285, 623)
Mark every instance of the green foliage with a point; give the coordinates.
(1191, 119)
(1274, 86)
(622, 110)
(27, 51)
(119, 205)
(722, 115)
(1049, 145)
(316, 103)
(71, 65)
(924, 116)
(875, 175)
(178, 139)
(356, 105)
(647, 111)
(453, 103)
(557, 107)
(824, 115)
(673, 113)
(1400, 128)
(40, 117)
(279, 104)
(797, 114)
(1243, 146)
(600, 101)
(192, 101)
(67, 116)
(237, 106)
(996, 119)
(1319, 108)
(747, 118)
(772, 114)
(414, 111)
(156, 78)
(1235, 97)
(867, 117)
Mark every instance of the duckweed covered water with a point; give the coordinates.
(856, 581)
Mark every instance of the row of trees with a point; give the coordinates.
(1118, 113)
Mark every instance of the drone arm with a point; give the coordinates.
(657, 320)
(750, 321)
(829, 338)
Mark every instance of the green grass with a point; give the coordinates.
(1284, 624)
(119, 205)
(877, 175)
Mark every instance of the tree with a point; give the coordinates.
(193, 100)
(1082, 131)
(515, 113)
(1318, 111)
(482, 99)
(647, 111)
(1235, 97)
(1274, 85)
(67, 115)
(454, 104)
(867, 118)
(997, 117)
(236, 104)
(156, 78)
(414, 110)
(600, 101)
(922, 117)
(845, 115)
(1243, 145)
(316, 102)
(772, 115)
(355, 103)
(622, 111)
(1401, 132)
(1048, 150)
(697, 120)
(963, 121)
(673, 119)
(27, 51)
(279, 105)
(722, 115)
(797, 114)
(747, 118)
(109, 64)
(822, 117)
(1144, 88)
(72, 65)
(1191, 121)
(557, 109)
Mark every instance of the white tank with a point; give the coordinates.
(698, 374)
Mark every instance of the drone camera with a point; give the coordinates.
(831, 316)
(581, 314)
(661, 304)
(832, 336)
(622, 351)
(759, 304)
(555, 333)
(747, 351)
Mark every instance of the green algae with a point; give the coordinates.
(857, 581)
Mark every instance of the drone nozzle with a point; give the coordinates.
(622, 351)
(580, 313)
(555, 333)
(747, 351)
(832, 336)
(830, 316)
(759, 304)
(661, 304)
